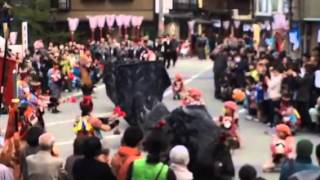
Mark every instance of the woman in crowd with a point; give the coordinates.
(152, 166)
(179, 159)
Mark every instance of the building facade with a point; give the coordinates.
(308, 14)
(181, 13)
(82, 8)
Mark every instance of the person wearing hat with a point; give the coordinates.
(229, 122)
(177, 86)
(179, 160)
(193, 97)
(282, 147)
(302, 162)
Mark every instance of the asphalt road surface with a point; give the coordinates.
(255, 150)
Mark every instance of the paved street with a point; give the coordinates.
(197, 74)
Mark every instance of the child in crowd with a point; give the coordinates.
(251, 92)
(229, 122)
(178, 86)
(288, 114)
(76, 80)
(282, 148)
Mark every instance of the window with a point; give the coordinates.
(61, 4)
(262, 7)
(184, 4)
(183, 1)
(269, 7)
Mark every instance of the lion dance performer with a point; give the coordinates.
(89, 125)
(178, 86)
(282, 148)
(229, 122)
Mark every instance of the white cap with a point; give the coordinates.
(179, 155)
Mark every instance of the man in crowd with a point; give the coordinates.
(128, 152)
(302, 162)
(173, 45)
(44, 165)
(308, 174)
(220, 66)
(89, 167)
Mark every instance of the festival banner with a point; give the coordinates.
(25, 42)
(73, 25)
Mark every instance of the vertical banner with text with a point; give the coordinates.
(25, 43)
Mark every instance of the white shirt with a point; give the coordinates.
(317, 79)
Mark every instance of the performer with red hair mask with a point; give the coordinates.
(229, 122)
(282, 148)
(178, 86)
(192, 97)
(89, 125)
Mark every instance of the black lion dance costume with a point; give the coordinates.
(138, 88)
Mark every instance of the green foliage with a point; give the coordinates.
(40, 19)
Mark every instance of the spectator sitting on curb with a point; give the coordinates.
(302, 162)
(309, 174)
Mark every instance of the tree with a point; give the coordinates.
(39, 17)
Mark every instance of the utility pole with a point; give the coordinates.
(290, 8)
(160, 18)
(290, 12)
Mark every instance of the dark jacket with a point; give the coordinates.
(304, 85)
(220, 63)
(174, 44)
(308, 174)
(70, 163)
(89, 169)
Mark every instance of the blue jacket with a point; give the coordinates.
(297, 165)
(308, 174)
